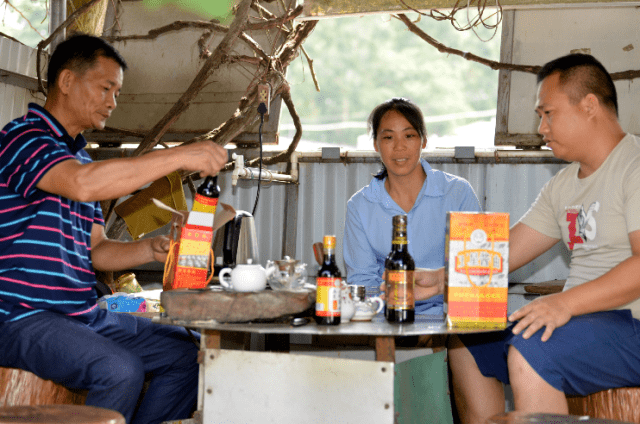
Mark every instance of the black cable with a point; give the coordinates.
(262, 109)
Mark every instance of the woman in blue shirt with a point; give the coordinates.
(407, 185)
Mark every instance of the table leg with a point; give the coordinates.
(212, 339)
(385, 348)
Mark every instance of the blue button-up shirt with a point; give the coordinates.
(368, 228)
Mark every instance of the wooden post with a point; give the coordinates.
(212, 339)
(385, 348)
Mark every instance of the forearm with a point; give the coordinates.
(114, 178)
(618, 287)
(526, 244)
(112, 255)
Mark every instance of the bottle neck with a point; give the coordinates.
(209, 181)
(399, 241)
(329, 255)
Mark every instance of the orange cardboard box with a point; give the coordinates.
(476, 269)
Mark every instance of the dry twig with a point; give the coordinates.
(532, 69)
(457, 7)
(466, 55)
(23, 17)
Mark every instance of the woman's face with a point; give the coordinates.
(399, 145)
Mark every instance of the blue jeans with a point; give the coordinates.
(110, 357)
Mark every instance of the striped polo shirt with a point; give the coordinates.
(45, 239)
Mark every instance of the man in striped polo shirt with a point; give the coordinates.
(52, 238)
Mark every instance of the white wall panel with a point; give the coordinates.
(19, 59)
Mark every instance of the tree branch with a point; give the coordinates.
(155, 134)
(466, 55)
(213, 63)
(180, 25)
(624, 75)
(247, 113)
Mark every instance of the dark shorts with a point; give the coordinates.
(590, 353)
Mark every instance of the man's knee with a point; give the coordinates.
(117, 370)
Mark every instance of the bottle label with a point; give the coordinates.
(400, 240)
(205, 204)
(400, 290)
(328, 296)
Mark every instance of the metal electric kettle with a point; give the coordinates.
(240, 241)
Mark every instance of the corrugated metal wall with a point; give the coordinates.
(325, 188)
(19, 59)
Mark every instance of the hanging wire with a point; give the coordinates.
(472, 23)
(262, 109)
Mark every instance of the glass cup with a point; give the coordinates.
(358, 293)
(371, 292)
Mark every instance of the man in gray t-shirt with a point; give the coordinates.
(581, 340)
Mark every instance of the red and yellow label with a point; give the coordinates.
(328, 296)
(399, 288)
(204, 204)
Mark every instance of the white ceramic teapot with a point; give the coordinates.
(244, 277)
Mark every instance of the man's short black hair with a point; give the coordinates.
(582, 74)
(79, 53)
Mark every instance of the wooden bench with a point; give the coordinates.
(622, 404)
(59, 414)
(19, 387)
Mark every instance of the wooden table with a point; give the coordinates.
(383, 332)
(265, 387)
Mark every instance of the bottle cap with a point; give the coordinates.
(329, 242)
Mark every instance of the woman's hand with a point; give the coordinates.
(428, 283)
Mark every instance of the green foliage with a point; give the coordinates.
(362, 61)
(217, 9)
(30, 26)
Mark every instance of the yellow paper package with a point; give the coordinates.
(476, 269)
